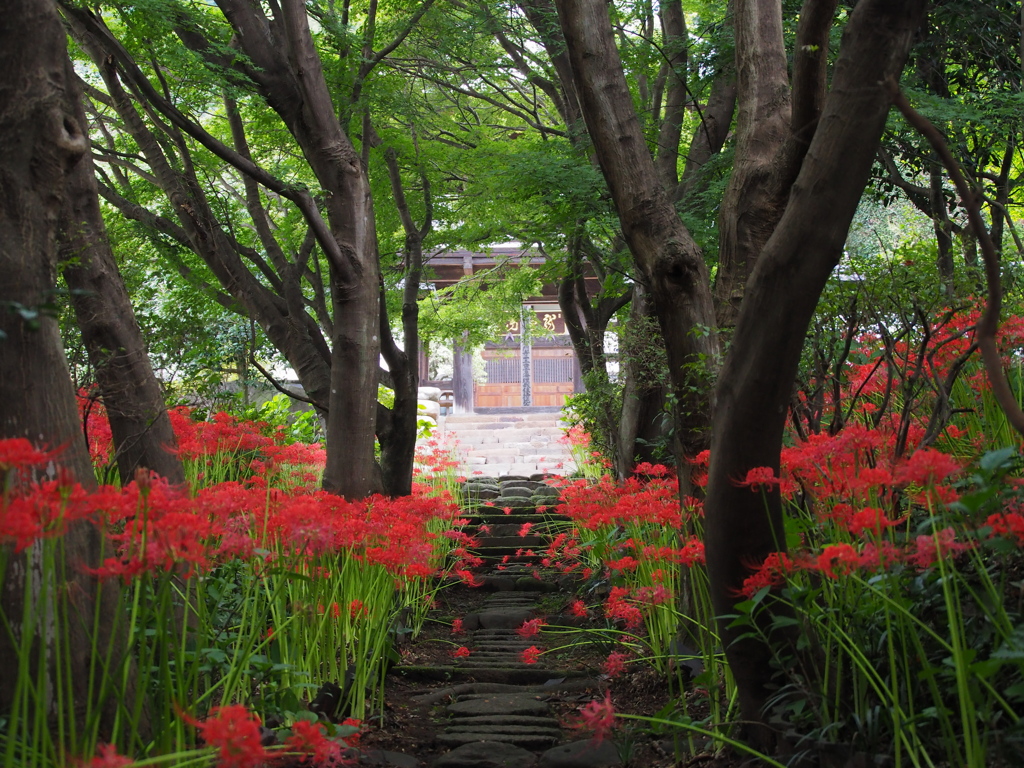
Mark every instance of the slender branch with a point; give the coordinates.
(273, 382)
(989, 323)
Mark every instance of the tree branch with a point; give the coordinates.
(989, 323)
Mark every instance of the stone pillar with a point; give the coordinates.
(462, 379)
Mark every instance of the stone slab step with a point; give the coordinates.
(524, 741)
(507, 542)
(527, 675)
(551, 730)
(541, 720)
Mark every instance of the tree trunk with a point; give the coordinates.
(40, 143)
(774, 125)
(141, 430)
(756, 382)
(660, 243)
(638, 394)
(398, 439)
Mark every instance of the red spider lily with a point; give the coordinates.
(19, 453)
(771, 573)
(468, 578)
(838, 559)
(599, 717)
(619, 608)
(615, 664)
(927, 467)
(652, 470)
(310, 739)
(461, 653)
(42, 510)
(578, 608)
(530, 628)
(1007, 524)
(691, 553)
(881, 555)
(524, 529)
(870, 520)
(353, 738)
(357, 608)
(930, 548)
(457, 627)
(764, 478)
(656, 595)
(530, 655)
(626, 563)
(108, 758)
(235, 732)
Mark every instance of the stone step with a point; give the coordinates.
(501, 418)
(523, 675)
(507, 542)
(524, 741)
(543, 721)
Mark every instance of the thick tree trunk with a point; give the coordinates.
(291, 79)
(142, 432)
(756, 381)
(40, 142)
(352, 419)
(660, 243)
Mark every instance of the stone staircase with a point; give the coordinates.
(499, 444)
(496, 707)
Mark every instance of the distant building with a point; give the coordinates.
(536, 374)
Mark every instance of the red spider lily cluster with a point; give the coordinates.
(606, 503)
(160, 527)
(235, 733)
(435, 457)
(224, 448)
(156, 527)
(154, 530)
(859, 494)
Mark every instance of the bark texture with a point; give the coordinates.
(774, 126)
(40, 144)
(756, 381)
(141, 429)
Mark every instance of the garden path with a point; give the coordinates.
(496, 701)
